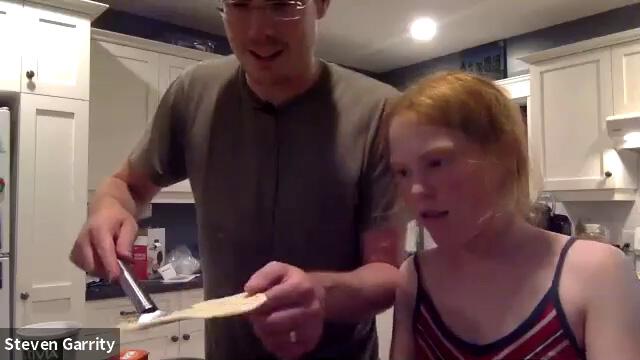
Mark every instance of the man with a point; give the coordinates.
(291, 185)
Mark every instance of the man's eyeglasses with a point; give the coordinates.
(277, 9)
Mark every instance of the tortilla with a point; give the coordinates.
(215, 308)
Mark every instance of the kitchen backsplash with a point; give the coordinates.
(179, 222)
(620, 218)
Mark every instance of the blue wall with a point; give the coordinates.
(610, 22)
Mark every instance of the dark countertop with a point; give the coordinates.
(111, 291)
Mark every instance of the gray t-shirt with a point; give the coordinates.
(298, 184)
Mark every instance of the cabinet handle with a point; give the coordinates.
(31, 74)
(186, 337)
(608, 174)
(175, 338)
(24, 296)
(127, 313)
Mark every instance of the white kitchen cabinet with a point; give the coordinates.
(384, 327)
(129, 75)
(10, 43)
(170, 68)
(571, 98)
(52, 147)
(519, 90)
(110, 313)
(192, 343)
(159, 348)
(55, 59)
(626, 77)
(124, 97)
(183, 339)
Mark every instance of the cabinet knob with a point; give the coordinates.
(24, 296)
(608, 174)
(175, 338)
(186, 337)
(31, 74)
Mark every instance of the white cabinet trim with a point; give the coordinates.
(89, 8)
(150, 45)
(626, 77)
(582, 46)
(519, 88)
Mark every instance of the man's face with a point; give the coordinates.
(274, 40)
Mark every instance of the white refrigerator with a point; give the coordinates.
(5, 220)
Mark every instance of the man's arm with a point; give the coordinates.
(111, 226)
(298, 303)
(157, 161)
(131, 189)
(612, 320)
(370, 289)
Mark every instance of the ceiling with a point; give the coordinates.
(372, 34)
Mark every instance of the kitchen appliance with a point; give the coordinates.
(5, 219)
(156, 257)
(543, 215)
(624, 130)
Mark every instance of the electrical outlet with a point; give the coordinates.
(635, 244)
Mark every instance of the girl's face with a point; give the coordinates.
(450, 184)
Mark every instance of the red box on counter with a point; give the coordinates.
(140, 261)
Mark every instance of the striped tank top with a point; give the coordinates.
(545, 334)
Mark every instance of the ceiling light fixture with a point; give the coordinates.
(423, 29)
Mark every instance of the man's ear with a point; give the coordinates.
(322, 6)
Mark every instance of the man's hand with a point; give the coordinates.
(111, 227)
(290, 322)
(107, 235)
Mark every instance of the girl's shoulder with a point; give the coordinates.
(593, 272)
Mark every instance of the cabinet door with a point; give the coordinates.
(384, 324)
(10, 39)
(170, 68)
(55, 58)
(159, 348)
(104, 314)
(124, 98)
(571, 98)
(191, 331)
(192, 344)
(626, 78)
(51, 207)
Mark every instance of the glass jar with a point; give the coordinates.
(596, 232)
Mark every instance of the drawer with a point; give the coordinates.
(110, 313)
(190, 297)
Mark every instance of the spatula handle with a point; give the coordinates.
(139, 298)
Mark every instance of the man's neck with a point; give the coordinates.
(282, 91)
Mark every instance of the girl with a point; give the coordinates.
(495, 287)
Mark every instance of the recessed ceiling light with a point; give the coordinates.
(423, 29)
